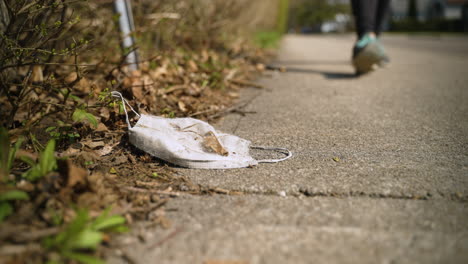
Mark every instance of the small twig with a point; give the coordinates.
(142, 85)
(56, 104)
(34, 234)
(127, 257)
(168, 237)
(236, 108)
(19, 249)
(46, 63)
(147, 209)
(173, 89)
(143, 184)
(203, 112)
(140, 190)
(246, 83)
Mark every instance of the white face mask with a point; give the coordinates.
(191, 143)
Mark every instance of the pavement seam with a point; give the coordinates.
(453, 197)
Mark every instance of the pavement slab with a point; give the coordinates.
(379, 173)
(400, 131)
(271, 229)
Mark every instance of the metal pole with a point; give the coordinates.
(124, 9)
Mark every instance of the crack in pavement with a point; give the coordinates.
(208, 191)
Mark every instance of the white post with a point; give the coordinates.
(124, 9)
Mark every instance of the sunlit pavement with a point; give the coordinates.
(380, 172)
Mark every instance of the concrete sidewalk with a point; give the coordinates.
(380, 172)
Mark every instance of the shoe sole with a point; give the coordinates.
(367, 59)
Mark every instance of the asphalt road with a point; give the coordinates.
(379, 173)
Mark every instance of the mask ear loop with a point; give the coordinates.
(285, 151)
(125, 102)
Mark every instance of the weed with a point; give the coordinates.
(80, 115)
(7, 154)
(38, 147)
(83, 235)
(6, 208)
(46, 163)
(63, 132)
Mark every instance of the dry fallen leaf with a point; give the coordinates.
(84, 85)
(182, 106)
(104, 151)
(104, 113)
(193, 66)
(75, 175)
(93, 144)
(211, 143)
(71, 151)
(101, 128)
(120, 160)
(260, 66)
(71, 77)
(36, 74)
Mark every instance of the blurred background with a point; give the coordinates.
(324, 16)
(60, 60)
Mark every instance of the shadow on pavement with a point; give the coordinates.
(326, 74)
(312, 62)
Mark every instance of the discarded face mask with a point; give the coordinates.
(191, 143)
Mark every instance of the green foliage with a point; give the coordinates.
(83, 234)
(310, 13)
(63, 132)
(46, 163)
(7, 154)
(168, 112)
(34, 36)
(267, 39)
(80, 115)
(6, 208)
(283, 11)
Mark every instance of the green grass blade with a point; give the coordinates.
(5, 210)
(109, 222)
(82, 258)
(47, 160)
(14, 195)
(4, 153)
(87, 239)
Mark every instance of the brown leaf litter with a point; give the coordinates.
(212, 144)
(101, 168)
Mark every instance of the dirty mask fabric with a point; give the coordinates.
(192, 143)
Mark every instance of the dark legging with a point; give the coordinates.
(369, 15)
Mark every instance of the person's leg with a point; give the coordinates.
(381, 15)
(383, 7)
(364, 12)
(367, 52)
